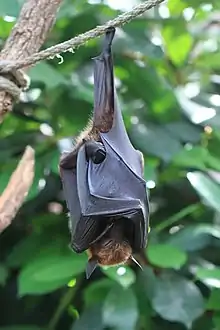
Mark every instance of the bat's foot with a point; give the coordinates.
(109, 35)
(95, 151)
(106, 51)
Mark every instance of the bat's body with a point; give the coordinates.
(103, 179)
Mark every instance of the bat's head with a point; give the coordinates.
(110, 252)
(111, 249)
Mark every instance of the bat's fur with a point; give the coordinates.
(110, 252)
(68, 160)
(112, 249)
(89, 133)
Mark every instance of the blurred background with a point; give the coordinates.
(167, 68)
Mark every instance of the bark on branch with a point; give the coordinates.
(17, 189)
(29, 33)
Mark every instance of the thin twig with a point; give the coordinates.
(80, 39)
(17, 189)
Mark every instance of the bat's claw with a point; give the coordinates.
(109, 35)
(110, 29)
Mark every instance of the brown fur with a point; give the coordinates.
(89, 133)
(68, 160)
(110, 252)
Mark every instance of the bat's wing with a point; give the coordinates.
(109, 188)
(107, 114)
(112, 189)
(83, 229)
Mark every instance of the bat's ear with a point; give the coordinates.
(137, 263)
(90, 267)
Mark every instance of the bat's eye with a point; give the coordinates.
(99, 156)
(95, 151)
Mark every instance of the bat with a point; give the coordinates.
(103, 180)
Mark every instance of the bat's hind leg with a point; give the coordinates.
(95, 151)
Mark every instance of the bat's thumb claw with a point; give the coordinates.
(91, 266)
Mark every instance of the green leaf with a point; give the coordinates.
(186, 211)
(184, 131)
(9, 8)
(155, 140)
(147, 281)
(150, 172)
(208, 60)
(120, 309)
(166, 256)
(45, 73)
(9, 169)
(151, 88)
(194, 237)
(144, 288)
(32, 246)
(206, 188)
(209, 276)
(21, 327)
(178, 41)
(177, 300)
(5, 27)
(192, 158)
(6, 174)
(38, 175)
(3, 274)
(54, 161)
(176, 10)
(97, 291)
(196, 157)
(121, 274)
(213, 301)
(49, 272)
(91, 318)
(216, 320)
(213, 162)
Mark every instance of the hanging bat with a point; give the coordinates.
(103, 179)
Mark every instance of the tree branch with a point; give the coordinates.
(17, 189)
(35, 21)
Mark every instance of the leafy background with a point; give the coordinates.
(167, 65)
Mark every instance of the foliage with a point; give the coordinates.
(167, 66)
